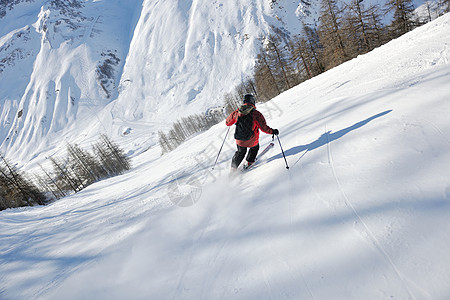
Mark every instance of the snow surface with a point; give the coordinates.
(167, 59)
(362, 213)
(172, 58)
(49, 84)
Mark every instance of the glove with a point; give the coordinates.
(275, 131)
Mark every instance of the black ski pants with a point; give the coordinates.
(240, 153)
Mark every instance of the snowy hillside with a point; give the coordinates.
(61, 63)
(362, 213)
(73, 69)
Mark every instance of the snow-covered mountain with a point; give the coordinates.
(362, 213)
(61, 63)
(70, 70)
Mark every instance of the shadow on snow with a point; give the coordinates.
(326, 138)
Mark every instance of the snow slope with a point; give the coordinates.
(61, 63)
(362, 213)
(73, 69)
(70, 70)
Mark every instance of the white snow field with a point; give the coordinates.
(362, 213)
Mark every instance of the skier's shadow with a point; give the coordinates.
(325, 138)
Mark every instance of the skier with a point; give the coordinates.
(248, 122)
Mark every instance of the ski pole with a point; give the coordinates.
(282, 151)
(221, 148)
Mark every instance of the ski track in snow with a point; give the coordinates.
(291, 196)
(367, 233)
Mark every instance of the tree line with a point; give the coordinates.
(346, 30)
(69, 174)
(186, 127)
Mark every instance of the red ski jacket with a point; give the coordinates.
(259, 123)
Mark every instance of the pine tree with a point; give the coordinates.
(314, 48)
(264, 78)
(164, 142)
(403, 16)
(112, 158)
(429, 8)
(331, 34)
(278, 58)
(377, 31)
(15, 189)
(301, 57)
(51, 184)
(64, 177)
(231, 103)
(357, 27)
(84, 165)
(445, 5)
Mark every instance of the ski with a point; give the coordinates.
(262, 153)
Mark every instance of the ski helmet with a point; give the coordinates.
(249, 98)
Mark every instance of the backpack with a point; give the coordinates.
(244, 124)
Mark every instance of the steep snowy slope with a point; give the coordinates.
(61, 60)
(73, 69)
(362, 213)
(70, 70)
(185, 55)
